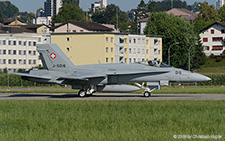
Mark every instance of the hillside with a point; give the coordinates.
(214, 65)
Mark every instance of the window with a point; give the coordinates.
(134, 51)
(34, 62)
(20, 42)
(68, 49)
(9, 52)
(29, 43)
(24, 61)
(158, 51)
(205, 39)
(130, 51)
(20, 52)
(139, 51)
(29, 52)
(111, 60)
(14, 61)
(34, 52)
(134, 41)
(25, 43)
(24, 52)
(4, 61)
(9, 61)
(111, 49)
(111, 39)
(20, 61)
(0, 51)
(107, 39)
(121, 41)
(34, 43)
(14, 42)
(134, 59)
(14, 52)
(68, 39)
(217, 39)
(29, 61)
(125, 40)
(39, 39)
(4, 51)
(125, 60)
(130, 60)
(125, 50)
(107, 60)
(222, 31)
(217, 48)
(143, 51)
(9, 42)
(212, 31)
(146, 51)
(206, 47)
(81, 30)
(129, 40)
(74, 31)
(4, 42)
(106, 49)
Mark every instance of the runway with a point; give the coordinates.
(109, 96)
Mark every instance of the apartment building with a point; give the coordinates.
(18, 50)
(95, 47)
(213, 38)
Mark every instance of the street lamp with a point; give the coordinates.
(189, 60)
(169, 51)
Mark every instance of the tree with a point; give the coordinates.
(26, 17)
(73, 2)
(207, 16)
(221, 12)
(1, 17)
(175, 29)
(141, 10)
(194, 7)
(8, 10)
(108, 15)
(69, 12)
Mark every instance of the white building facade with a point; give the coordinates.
(18, 51)
(213, 38)
(219, 3)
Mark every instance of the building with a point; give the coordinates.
(13, 22)
(51, 7)
(213, 38)
(98, 5)
(18, 46)
(95, 47)
(43, 20)
(79, 26)
(186, 14)
(219, 3)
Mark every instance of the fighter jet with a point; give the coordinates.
(58, 69)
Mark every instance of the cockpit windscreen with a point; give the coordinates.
(154, 63)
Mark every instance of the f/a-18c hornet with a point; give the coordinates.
(58, 69)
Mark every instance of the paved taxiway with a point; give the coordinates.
(109, 96)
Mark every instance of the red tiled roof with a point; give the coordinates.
(188, 15)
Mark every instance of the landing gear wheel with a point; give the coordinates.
(82, 93)
(147, 94)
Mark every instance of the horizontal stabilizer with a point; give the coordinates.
(32, 76)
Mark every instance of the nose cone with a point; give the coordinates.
(199, 77)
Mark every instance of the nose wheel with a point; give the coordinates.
(147, 94)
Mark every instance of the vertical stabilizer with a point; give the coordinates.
(53, 58)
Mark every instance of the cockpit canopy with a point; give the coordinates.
(154, 63)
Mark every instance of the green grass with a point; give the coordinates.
(164, 90)
(109, 120)
(211, 70)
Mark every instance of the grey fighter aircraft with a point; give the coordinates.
(58, 69)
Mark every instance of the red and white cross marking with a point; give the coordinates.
(52, 55)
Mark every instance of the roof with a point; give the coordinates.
(19, 28)
(91, 26)
(219, 23)
(188, 15)
(8, 21)
(144, 20)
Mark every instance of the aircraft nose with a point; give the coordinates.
(200, 77)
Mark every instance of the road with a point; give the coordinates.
(109, 96)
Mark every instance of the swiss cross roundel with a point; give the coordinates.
(52, 55)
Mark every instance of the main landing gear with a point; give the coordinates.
(87, 92)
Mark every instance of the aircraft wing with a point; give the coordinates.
(32, 76)
(84, 77)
